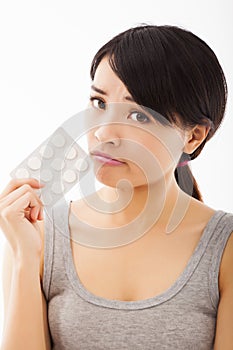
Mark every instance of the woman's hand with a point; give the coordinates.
(20, 208)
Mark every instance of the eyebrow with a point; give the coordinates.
(102, 92)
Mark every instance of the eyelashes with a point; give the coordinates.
(97, 102)
(135, 115)
(140, 117)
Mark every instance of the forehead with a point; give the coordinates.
(106, 79)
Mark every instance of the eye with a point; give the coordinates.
(97, 103)
(139, 117)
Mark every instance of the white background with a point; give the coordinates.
(46, 48)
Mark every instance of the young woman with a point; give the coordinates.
(165, 281)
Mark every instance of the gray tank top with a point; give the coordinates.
(182, 318)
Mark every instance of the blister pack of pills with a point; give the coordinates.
(58, 163)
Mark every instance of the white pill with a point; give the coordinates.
(57, 187)
(58, 140)
(46, 152)
(34, 163)
(22, 172)
(72, 153)
(69, 176)
(57, 164)
(81, 164)
(46, 175)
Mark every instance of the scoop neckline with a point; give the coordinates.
(169, 293)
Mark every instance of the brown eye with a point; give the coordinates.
(97, 103)
(139, 117)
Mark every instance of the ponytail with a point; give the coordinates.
(187, 182)
(185, 178)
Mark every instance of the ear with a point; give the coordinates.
(195, 137)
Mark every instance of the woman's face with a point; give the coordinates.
(128, 143)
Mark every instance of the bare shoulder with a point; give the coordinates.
(198, 214)
(200, 209)
(202, 213)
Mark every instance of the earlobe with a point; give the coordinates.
(195, 137)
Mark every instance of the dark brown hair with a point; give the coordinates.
(171, 71)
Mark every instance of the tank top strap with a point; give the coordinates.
(55, 219)
(221, 233)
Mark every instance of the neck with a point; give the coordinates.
(163, 203)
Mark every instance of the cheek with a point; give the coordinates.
(166, 148)
(90, 137)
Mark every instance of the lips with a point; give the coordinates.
(106, 156)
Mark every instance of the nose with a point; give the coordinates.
(108, 133)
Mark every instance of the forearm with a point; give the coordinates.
(24, 319)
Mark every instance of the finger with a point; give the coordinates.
(41, 214)
(18, 207)
(16, 183)
(34, 213)
(14, 195)
(27, 213)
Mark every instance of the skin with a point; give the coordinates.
(151, 248)
(164, 145)
(120, 262)
(21, 221)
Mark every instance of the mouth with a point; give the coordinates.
(106, 158)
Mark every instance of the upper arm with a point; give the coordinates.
(7, 269)
(224, 327)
